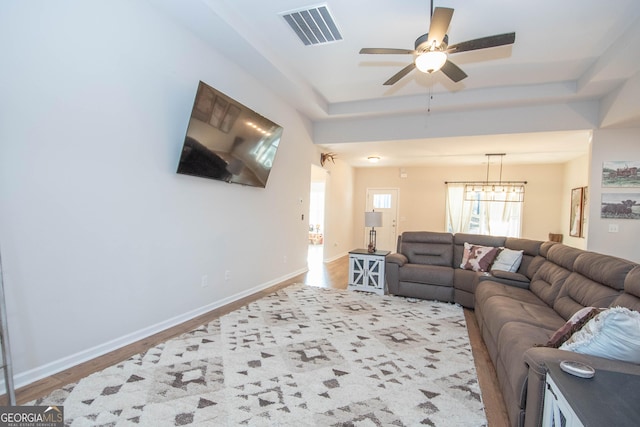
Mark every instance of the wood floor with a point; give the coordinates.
(329, 275)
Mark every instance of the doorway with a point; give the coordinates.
(383, 200)
(317, 194)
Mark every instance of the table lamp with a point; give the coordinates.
(372, 219)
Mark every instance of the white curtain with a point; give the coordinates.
(458, 211)
(497, 218)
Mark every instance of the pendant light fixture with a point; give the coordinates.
(494, 191)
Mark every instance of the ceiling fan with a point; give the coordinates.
(432, 49)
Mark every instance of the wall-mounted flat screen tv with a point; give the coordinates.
(227, 141)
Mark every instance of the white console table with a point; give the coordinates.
(366, 271)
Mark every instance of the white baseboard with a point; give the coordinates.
(326, 261)
(25, 378)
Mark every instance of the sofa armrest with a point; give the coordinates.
(507, 278)
(397, 259)
(537, 358)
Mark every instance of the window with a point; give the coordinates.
(497, 218)
(265, 151)
(381, 201)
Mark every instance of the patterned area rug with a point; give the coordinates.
(302, 356)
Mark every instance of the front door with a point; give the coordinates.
(383, 200)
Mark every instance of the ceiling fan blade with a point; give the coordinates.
(377, 50)
(400, 74)
(452, 71)
(483, 43)
(439, 25)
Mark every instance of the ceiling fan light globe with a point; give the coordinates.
(429, 62)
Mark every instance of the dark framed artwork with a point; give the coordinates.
(575, 224)
(229, 118)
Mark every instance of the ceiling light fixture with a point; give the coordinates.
(492, 191)
(430, 61)
(373, 159)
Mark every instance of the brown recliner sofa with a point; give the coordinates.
(519, 312)
(426, 265)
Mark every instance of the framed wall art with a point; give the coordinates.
(620, 205)
(621, 174)
(575, 225)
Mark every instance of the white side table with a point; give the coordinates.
(557, 411)
(366, 271)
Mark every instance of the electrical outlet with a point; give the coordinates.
(204, 281)
(227, 275)
(284, 259)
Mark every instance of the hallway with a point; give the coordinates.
(331, 275)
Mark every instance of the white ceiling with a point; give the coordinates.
(565, 51)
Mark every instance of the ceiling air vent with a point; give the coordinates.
(314, 25)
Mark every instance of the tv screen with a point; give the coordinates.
(227, 141)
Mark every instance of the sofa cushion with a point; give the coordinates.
(427, 274)
(529, 248)
(514, 340)
(466, 280)
(630, 298)
(487, 289)
(478, 258)
(426, 247)
(545, 246)
(564, 256)
(505, 309)
(548, 280)
(578, 292)
(508, 278)
(603, 269)
(612, 334)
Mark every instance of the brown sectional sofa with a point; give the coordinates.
(517, 312)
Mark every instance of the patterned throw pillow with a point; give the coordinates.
(573, 325)
(478, 258)
(465, 254)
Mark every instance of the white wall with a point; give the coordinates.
(102, 242)
(339, 209)
(612, 145)
(423, 193)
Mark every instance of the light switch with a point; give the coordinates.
(613, 228)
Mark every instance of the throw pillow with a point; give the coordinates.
(613, 334)
(508, 260)
(465, 254)
(573, 325)
(481, 257)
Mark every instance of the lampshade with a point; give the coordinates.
(373, 219)
(431, 61)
